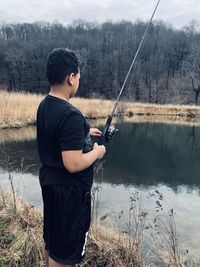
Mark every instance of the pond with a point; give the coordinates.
(154, 166)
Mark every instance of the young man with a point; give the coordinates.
(66, 174)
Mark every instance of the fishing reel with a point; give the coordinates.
(108, 131)
(106, 136)
(111, 131)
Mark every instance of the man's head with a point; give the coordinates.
(63, 68)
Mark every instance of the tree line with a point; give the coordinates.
(167, 70)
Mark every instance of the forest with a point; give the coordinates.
(167, 69)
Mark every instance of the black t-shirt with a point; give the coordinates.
(61, 127)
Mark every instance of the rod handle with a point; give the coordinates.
(105, 129)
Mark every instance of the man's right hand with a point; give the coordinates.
(101, 150)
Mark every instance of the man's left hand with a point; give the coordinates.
(95, 132)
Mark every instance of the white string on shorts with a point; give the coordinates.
(83, 251)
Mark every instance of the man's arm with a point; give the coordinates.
(75, 160)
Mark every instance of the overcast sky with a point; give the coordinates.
(177, 12)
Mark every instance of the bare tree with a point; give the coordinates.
(195, 89)
(108, 50)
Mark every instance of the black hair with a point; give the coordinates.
(61, 62)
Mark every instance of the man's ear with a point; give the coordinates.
(70, 79)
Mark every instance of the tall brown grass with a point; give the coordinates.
(19, 109)
(20, 228)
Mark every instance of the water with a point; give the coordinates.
(143, 157)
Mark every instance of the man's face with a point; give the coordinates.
(74, 82)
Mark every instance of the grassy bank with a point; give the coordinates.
(21, 239)
(19, 109)
(155, 238)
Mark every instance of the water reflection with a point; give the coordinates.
(148, 154)
(17, 135)
(143, 154)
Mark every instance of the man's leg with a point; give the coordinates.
(53, 263)
(45, 255)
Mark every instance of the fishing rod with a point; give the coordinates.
(109, 130)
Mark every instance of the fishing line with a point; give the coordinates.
(109, 130)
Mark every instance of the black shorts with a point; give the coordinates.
(67, 216)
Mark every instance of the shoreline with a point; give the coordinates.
(19, 110)
(170, 119)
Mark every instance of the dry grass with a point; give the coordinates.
(109, 250)
(19, 109)
(94, 108)
(20, 243)
(21, 240)
(164, 110)
(21, 236)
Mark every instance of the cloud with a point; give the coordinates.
(178, 12)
